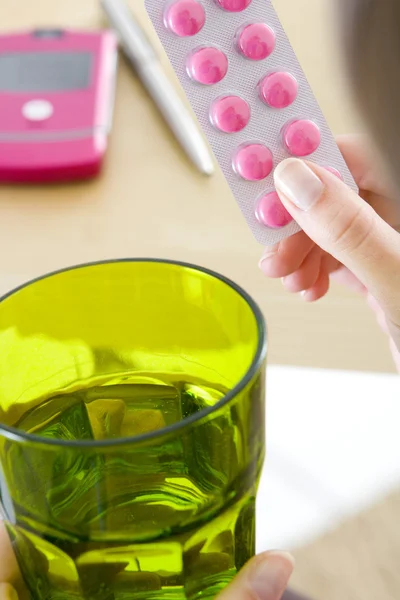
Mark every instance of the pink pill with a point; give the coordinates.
(184, 17)
(278, 90)
(301, 138)
(253, 162)
(271, 212)
(230, 114)
(234, 5)
(334, 172)
(256, 41)
(207, 65)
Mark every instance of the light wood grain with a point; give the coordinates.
(150, 202)
(359, 559)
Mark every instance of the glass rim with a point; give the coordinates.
(17, 435)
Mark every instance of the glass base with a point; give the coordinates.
(190, 566)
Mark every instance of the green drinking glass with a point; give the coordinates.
(132, 430)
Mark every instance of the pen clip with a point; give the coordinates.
(134, 41)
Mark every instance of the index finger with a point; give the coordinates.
(365, 164)
(371, 176)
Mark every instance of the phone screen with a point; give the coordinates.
(44, 71)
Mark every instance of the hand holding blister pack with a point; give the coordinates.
(251, 98)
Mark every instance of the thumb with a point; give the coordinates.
(7, 592)
(265, 577)
(343, 225)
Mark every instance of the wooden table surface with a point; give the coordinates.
(149, 201)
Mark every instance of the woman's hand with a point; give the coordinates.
(10, 577)
(265, 577)
(344, 237)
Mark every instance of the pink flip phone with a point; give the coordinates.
(56, 103)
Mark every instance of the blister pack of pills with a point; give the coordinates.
(251, 98)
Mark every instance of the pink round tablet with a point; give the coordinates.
(207, 65)
(234, 5)
(278, 90)
(230, 114)
(253, 162)
(271, 212)
(184, 17)
(301, 138)
(334, 172)
(256, 41)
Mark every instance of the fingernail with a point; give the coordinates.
(268, 253)
(295, 180)
(262, 261)
(7, 592)
(304, 295)
(271, 575)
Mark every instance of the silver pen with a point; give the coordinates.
(142, 56)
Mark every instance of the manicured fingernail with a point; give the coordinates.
(295, 180)
(7, 592)
(268, 253)
(263, 259)
(271, 575)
